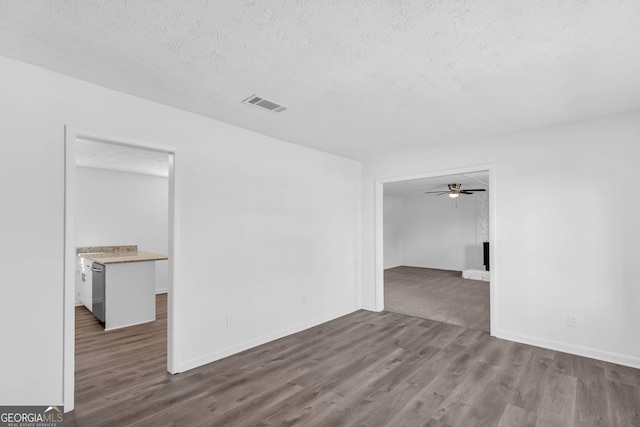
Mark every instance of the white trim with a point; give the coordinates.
(357, 274)
(378, 218)
(493, 227)
(229, 351)
(71, 134)
(162, 291)
(370, 308)
(592, 353)
(174, 259)
(379, 241)
(69, 277)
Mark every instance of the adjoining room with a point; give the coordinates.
(121, 235)
(436, 243)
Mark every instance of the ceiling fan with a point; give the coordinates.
(454, 191)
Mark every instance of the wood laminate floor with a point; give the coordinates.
(441, 295)
(364, 369)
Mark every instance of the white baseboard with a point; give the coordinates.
(606, 356)
(370, 308)
(162, 291)
(229, 351)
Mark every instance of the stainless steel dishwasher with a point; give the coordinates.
(98, 279)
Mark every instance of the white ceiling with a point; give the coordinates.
(417, 187)
(359, 78)
(124, 158)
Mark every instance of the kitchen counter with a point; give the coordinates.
(117, 254)
(119, 286)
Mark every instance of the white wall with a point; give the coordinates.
(567, 232)
(267, 231)
(432, 233)
(121, 208)
(393, 212)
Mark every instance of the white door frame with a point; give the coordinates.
(71, 134)
(379, 242)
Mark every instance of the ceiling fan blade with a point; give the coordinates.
(465, 192)
(475, 189)
(433, 192)
(442, 194)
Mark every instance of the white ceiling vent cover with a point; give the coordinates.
(264, 104)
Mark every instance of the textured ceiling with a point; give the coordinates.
(359, 78)
(417, 187)
(124, 158)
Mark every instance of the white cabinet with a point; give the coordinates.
(84, 283)
(121, 292)
(130, 297)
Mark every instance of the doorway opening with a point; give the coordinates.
(82, 147)
(432, 247)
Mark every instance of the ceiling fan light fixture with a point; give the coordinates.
(455, 190)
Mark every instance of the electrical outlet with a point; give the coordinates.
(228, 321)
(572, 320)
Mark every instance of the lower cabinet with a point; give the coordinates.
(84, 282)
(130, 294)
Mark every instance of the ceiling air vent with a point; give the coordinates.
(256, 101)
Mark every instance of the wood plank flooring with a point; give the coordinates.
(364, 369)
(441, 295)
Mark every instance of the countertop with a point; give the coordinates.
(117, 254)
